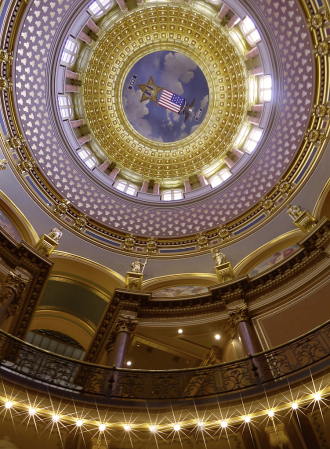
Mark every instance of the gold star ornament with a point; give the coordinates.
(150, 91)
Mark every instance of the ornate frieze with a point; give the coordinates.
(62, 208)
(125, 324)
(80, 222)
(129, 242)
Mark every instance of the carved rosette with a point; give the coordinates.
(80, 222)
(5, 84)
(62, 208)
(320, 110)
(268, 205)
(15, 142)
(285, 187)
(315, 136)
(202, 240)
(223, 233)
(322, 49)
(317, 20)
(5, 56)
(129, 242)
(27, 165)
(125, 324)
(151, 245)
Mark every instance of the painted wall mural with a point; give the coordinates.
(9, 227)
(272, 260)
(165, 96)
(181, 290)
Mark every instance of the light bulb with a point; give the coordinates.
(8, 405)
(224, 424)
(177, 427)
(247, 419)
(56, 418)
(32, 411)
(102, 427)
(294, 406)
(217, 337)
(129, 363)
(317, 397)
(127, 427)
(271, 413)
(180, 331)
(152, 429)
(200, 424)
(79, 423)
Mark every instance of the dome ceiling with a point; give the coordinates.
(97, 212)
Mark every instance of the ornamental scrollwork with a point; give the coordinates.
(15, 142)
(129, 242)
(285, 187)
(322, 49)
(27, 165)
(5, 56)
(80, 222)
(3, 163)
(321, 110)
(125, 324)
(268, 205)
(315, 136)
(62, 208)
(5, 83)
(224, 233)
(151, 245)
(317, 21)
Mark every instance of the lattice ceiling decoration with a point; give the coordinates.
(104, 216)
(171, 28)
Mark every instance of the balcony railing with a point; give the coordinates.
(43, 367)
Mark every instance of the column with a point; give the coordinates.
(229, 162)
(84, 139)
(240, 322)
(156, 189)
(202, 180)
(223, 11)
(117, 355)
(71, 88)
(72, 75)
(85, 38)
(232, 22)
(11, 295)
(113, 174)
(252, 53)
(104, 166)
(254, 120)
(257, 71)
(237, 153)
(92, 26)
(76, 123)
(257, 107)
(187, 186)
(145, 186)
(122, 4)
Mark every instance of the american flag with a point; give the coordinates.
(171, 101)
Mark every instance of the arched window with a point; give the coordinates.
(265, 88)
(100, 7)
(65, 105)
(87, 156)
(220, 177)
(249, 31)
(126, 187)
(172, 194)
(252, 140)
(70, 52)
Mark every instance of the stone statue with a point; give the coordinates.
(219, 257)
(294, 212)
(56, 234)
(138, 266)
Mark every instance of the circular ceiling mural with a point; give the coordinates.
(165, 96)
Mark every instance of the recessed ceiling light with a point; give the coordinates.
(271, 413)
(102, 427)
(79, 423)
(224, 424)
(294, 406)
(32, 411)
(180, 331)
(127, 427)
(129, 363)
(177, 427)
(8, 405)
(56, 418)
(217, 337)
(152, 429)
(247, 419)
(317, 397)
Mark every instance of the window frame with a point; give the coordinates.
(70, 53)
(264, 90)
(250, 139)
(128, 185)
(90, 157)
(172, 192)
(66, 106)
(103, 8)
(248, 32)
(220, 177)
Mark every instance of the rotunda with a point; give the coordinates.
(164, 223)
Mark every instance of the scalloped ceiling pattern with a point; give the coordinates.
(290, 35)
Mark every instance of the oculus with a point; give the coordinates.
(165, 96)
